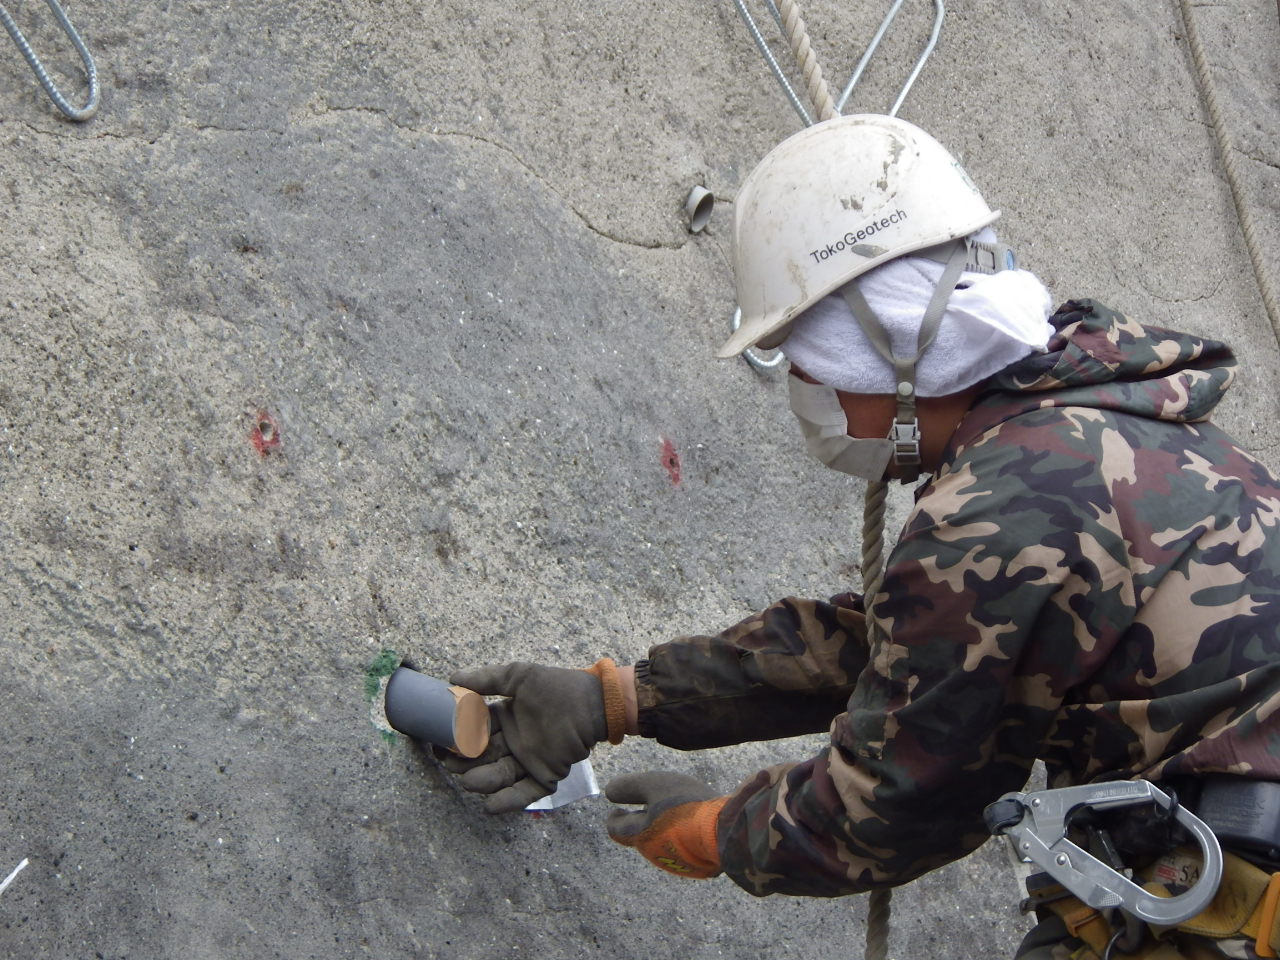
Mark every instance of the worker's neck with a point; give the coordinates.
(871, 415)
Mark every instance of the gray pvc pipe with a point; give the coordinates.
(428, 709)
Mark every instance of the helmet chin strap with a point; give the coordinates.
(905, 431)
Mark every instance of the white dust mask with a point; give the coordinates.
(826, 432)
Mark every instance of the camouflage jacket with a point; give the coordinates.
(1091, 578)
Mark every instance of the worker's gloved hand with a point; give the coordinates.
(551, 720)
(676, 830)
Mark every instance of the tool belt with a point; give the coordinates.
(1244, 878)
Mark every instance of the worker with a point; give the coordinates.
(1089, 577)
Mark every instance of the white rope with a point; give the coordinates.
(874, 507)
(16, 870)
(877, 492)
(873, 510)
(807, 60)
(1243, 213)
(878, 924)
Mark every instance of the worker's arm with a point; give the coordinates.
(1000, 601)
(940, 724)
(785, 671)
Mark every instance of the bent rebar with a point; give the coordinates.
(79, 114)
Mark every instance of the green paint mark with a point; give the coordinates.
(375, 683)
(384, 664)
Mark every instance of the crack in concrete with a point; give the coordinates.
(1234, 148)
(378, 111)
(73, 133)
(79, 132)
(1143, 282)
(437, 131)
(202, 127)
(31, 127)
(83, 133)
(409, 128)
(126, 137)
(65, 601)
(1256, 159)
(654, 245)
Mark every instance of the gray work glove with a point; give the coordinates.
(552, 719)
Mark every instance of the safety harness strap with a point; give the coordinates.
(1267, 943)
(1084, 922)
(1246, 906)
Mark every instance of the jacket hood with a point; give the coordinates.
(1101, 359)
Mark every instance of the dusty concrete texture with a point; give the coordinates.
(439, 245)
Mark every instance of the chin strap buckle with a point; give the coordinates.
(906, 443)
(989, 257)
(980, 256)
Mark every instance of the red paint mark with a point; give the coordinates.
(671, 460)
(265, 434)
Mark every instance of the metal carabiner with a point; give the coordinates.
(1036, 823)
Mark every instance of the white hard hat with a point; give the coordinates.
(832, 202)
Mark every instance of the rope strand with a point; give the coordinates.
(1245, 217)
(873, 511)
(878, 924)
(807, 60)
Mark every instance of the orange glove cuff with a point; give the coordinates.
(683, 840)
(615, 704)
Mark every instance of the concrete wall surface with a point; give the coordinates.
(439, 245)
